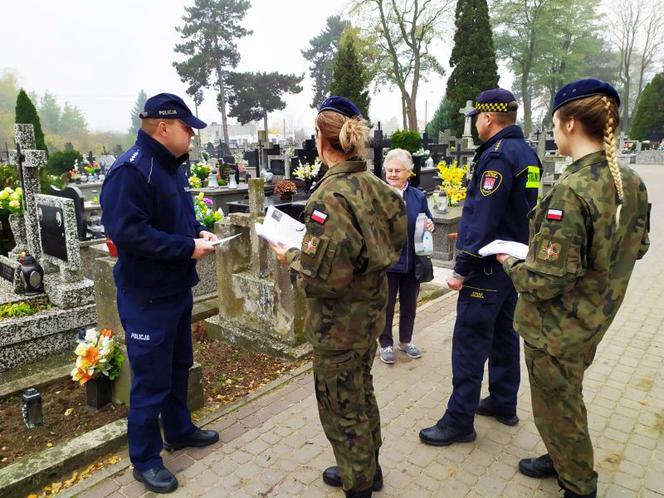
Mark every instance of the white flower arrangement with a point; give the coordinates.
(307, 171)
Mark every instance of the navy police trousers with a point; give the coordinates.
(484, 330)
(158, 337)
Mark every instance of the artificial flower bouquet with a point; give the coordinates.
(204, 212)
(202, 171)
(11, 200)
(307, 171)
(99, 354)
(285, 188)
(453, 183)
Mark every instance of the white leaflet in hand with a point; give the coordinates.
(279, 228)
(225, 239)
(516, 249)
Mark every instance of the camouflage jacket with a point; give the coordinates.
(355, 228)
(579, 262)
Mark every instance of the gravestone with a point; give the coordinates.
(259, 306)
(34, 337)
(74, 193)
(59, 233)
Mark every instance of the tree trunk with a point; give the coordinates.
(404, 113)
(265, 126)
(624, 120)
(222, 104)
(527, 107)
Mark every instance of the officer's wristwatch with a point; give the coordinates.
(456, 275)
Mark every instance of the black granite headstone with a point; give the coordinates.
(52, 231)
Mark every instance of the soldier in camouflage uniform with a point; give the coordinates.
(585, 236)
(355, 228)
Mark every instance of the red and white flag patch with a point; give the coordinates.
(555, 214)
(318, 217)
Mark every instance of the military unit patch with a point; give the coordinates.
(555, 214)
(310, 245)
(549, 251)
(490, 182)
(318, 217)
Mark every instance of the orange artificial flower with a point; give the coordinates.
(91, 355)
(106, 333)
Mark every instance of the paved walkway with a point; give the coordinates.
(275, 447)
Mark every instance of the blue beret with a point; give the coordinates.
(581, 89)
(342, 105)
(494, 100)
(169, 106)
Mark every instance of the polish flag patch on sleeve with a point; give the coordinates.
(555, 214)
(318, 217)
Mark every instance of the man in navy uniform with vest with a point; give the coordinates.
(503, 188)
(148, 212)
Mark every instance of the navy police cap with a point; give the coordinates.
(581, 89)
(342, 105)
(494, 100)
(169, 106)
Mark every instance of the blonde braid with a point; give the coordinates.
(610, 151)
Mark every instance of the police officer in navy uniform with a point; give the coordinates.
(502, 190)
(148, 212)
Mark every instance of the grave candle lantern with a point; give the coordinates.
(33, 276)
(32, 409)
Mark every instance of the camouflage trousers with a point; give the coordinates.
(560, 415)
(348, 412)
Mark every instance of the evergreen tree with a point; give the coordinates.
(26, 113)
(321, 54)
(473, 58)
(442, 119)
(50, 112)
(252, 96)
(209, 31)
(350, 77)
(138, 108)
(648, 121)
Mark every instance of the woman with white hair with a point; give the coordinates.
(401, 277)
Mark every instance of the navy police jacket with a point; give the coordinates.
(148, 212)
(416, 203)
(502, 190)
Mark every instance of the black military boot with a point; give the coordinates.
(572, 494)
(331, 477)
(157, 480)
(446, 435)
(487, 409)
(539, 468)
(196, 439)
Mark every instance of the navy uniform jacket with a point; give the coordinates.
(502, 191)
(148, 212)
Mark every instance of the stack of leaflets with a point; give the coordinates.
(280, 229)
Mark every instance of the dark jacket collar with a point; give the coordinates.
(163, 155)
(512, 131)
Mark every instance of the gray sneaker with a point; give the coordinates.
(411, 350)
(387, 355)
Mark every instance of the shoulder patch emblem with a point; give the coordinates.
(549, 251)
(319, 217)
(555, 215)
(490, 182)
(310, 245)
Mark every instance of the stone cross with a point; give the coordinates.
(468, 119)
(34, 160)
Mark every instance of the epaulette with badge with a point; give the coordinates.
(130, 156)
(497, 150)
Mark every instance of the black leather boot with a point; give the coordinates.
(331, 477)
(437, 436)
(157, 480)
(366, 493)
(539, 468)
(197, 439)
(487, 409)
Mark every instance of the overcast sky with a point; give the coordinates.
(98, 54)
